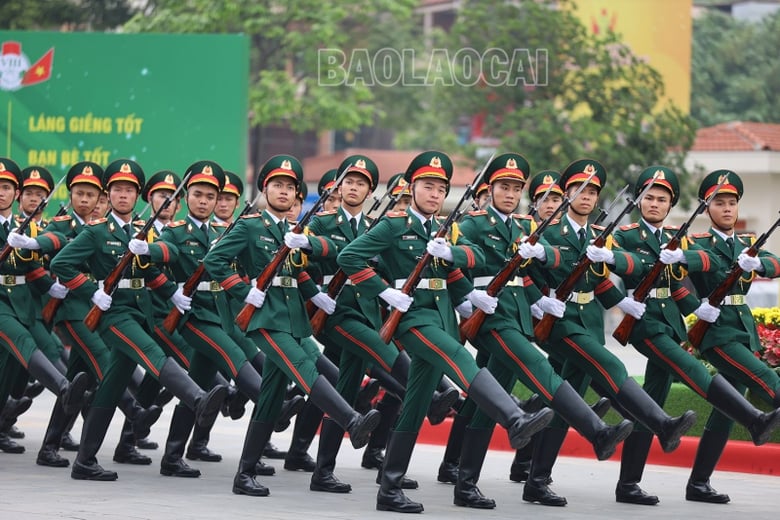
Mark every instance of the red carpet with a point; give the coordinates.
(739, 456)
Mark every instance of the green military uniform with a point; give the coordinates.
(126, 325)
(731, 342)
(428, 330)
(278, 326)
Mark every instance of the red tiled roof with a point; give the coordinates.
(736, 136)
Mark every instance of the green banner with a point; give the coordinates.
(162, 100)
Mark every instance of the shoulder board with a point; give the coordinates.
(555, 221)
(323, 213)
(477, 212)
(396, 214)
(251, 215)
(176, 223)
(439, 218)
(218, 224)
(522, 216)
(595, 226)
(629, 226)
(701, 235)
(98, 221)
(672, 227)
(62, 218)
(139, 222)
(746, 235)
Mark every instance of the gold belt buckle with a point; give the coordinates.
(285, 281)
(9, 279)
(737, 299)
(136, 283)
(662, 292)
(214, 286)
(436, 284)
(581, 298)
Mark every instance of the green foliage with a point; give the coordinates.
(64, 14)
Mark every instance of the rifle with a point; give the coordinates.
(394, 318)
(544, 327)
(267, 275)
(6, 251)
(336, 284)
(111, 282)
(604, 213)
(696, 333)
(171, 321)
(471, 325)
(623, 330)
(62, 209)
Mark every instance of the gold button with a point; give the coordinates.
(582, 307)
(357, 294)
(663, 305)
(437, 298)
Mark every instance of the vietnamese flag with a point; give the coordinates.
(40, 71)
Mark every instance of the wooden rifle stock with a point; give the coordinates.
(263, 281)
(394, 317)
(50, 309)
(171, 321)
(319, 317)
(92, 318)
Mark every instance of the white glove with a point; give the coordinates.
(707, 312)
(58, 290)
(255, 297)
(324, 302)
(483, 301)
(102, 300)
(17, 240)
(181, 301)
(527, 250)
(439, 248)
(296, 240)
(632, 307)
(536, 312)
(138, 247)
(465, 309)
(551, 306)
(748, 263)
(600, 254)
(674, 256)
(397, 299)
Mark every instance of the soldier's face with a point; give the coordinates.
(506, 195)
(586, 201)
(482, 199)
(354, 190)
(404, 202)
(332, 202)
(30, 198)
(428, 195)
(655, 205)
(295, 211)
(157, 198)
(8, 194)
(201, 200)
(280, 194)
(548, 205)
(122, 196)
(226, 206)
(83, 199)
(101, 208)
(724, 211)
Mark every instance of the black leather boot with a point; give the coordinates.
(206, 405)
(11, 411)
(488, 394)
(8, 445)
(172, 463)
(390, 496)
(546, 451)
(632, 465)
(475, 446)
(569, 405)
(298, 458)
(601, 407)
(290, 408)
(198, 448)
(272, 452)
(441, 404)
(125, 452)
(710, 448)
(642, 407)
(388, 407)
(366, 395)
(521, 464)
(244, 483)
(86, 466)
(730, 402)
(448, 469)
(323, 478)
(327, 399)
(140, 419)
(49, 455)
(72, 393)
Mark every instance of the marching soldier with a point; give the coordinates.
(731, 341)
(279, 323)
(400, 191)
(127, 321)
(428, 329)
(227, 200)
(504, 334)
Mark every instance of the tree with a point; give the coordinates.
(590, 97)
(64, 14)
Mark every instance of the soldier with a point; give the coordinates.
(661, 331)
(227, 200)
(279, 323)
(579, 336)
(400, 190)
(428, 329)
(126, 323)
(731, 342)
(326, 182)
(504, 334)
(20, 270)
(482, 196)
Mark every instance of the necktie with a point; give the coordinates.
(6, 227)
(128, 230)
(658, 235)
(581, 234)
(353, 225)
(427, 225)
(283, 227)
(508, 223)
(205, 228)
(730, 243)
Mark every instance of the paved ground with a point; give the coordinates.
(34, 492)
